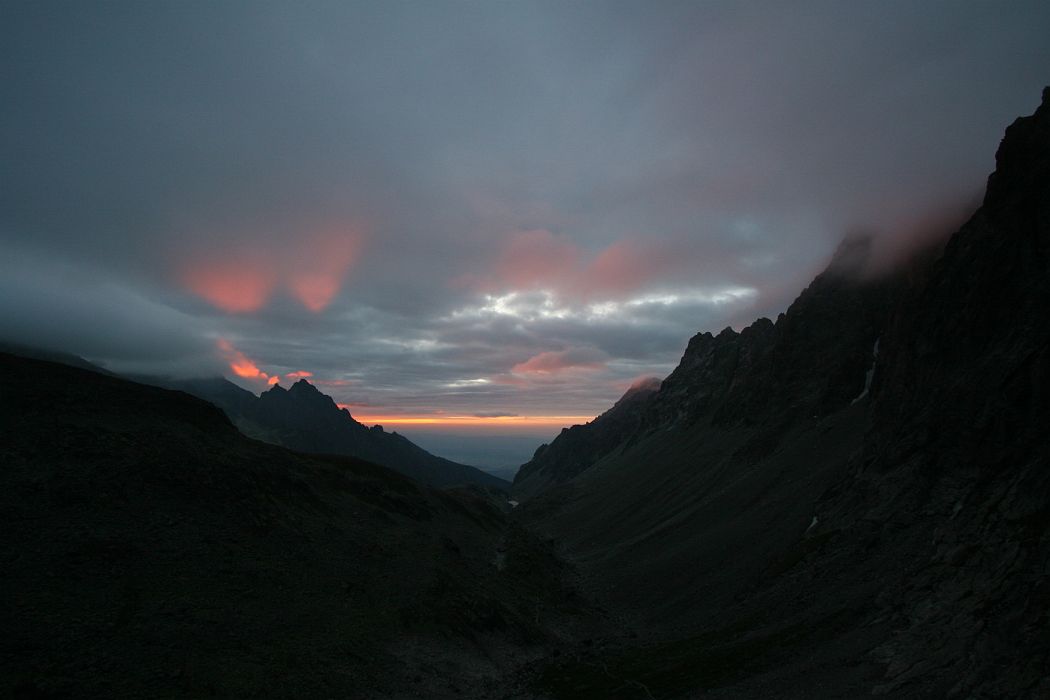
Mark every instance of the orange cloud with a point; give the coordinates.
(240, 364)
(552, 362)
(246, 368)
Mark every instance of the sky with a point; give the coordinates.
(477, 215)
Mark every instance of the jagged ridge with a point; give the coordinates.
(780, 536)
(303, 418)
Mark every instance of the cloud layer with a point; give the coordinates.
(475, 209)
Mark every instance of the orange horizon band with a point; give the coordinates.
(472, 420)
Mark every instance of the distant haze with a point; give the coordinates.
(497, 453)
(477, 213)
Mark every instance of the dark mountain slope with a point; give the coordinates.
(812, 362)
(302, 418)
(775, 537)
(150, 549)
(578, 447)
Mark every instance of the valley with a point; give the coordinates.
(849, 500)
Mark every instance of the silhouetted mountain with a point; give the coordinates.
(850, 501)
(151, 550)
(813, 361)
(302, 418)
(578, 447)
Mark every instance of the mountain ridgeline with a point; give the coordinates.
(852, 500)
(152, 550)
(576, 448)
(811, 362)
(302, 418)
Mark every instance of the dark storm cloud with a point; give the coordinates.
(413, 199)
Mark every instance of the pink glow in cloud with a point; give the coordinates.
(623, 268)
(560, 360)
(320, 267)
(538, 259)
(240, 284)
(244, 281)
(535, 259)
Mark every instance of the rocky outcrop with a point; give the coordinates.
(814, 360)
(799, 516)
(580, 446)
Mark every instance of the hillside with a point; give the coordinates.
(150, 549)
(578, 447)
(786, 522)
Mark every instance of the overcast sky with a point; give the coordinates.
(471, 208)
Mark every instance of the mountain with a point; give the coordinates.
(302, 418)
(578, 447)
(152, 550)
(851, 501)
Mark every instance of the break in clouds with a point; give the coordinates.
(473, 208)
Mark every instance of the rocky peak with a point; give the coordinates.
(1021, 161)
(306, 393)
(304, 387)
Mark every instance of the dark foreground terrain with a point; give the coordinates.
(151, 550)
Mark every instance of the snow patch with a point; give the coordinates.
(870, 374)
(812, 524)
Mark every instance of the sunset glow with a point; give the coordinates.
(239, 362)
(320, 267)
(315, 292)
(236, 287)
(475, 421)
(241, 283)
(244, 367)
(553, 362)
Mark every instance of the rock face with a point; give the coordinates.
(798, 516)
(151, 550)
(812, 362)
(302, 418)
(580, 446)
